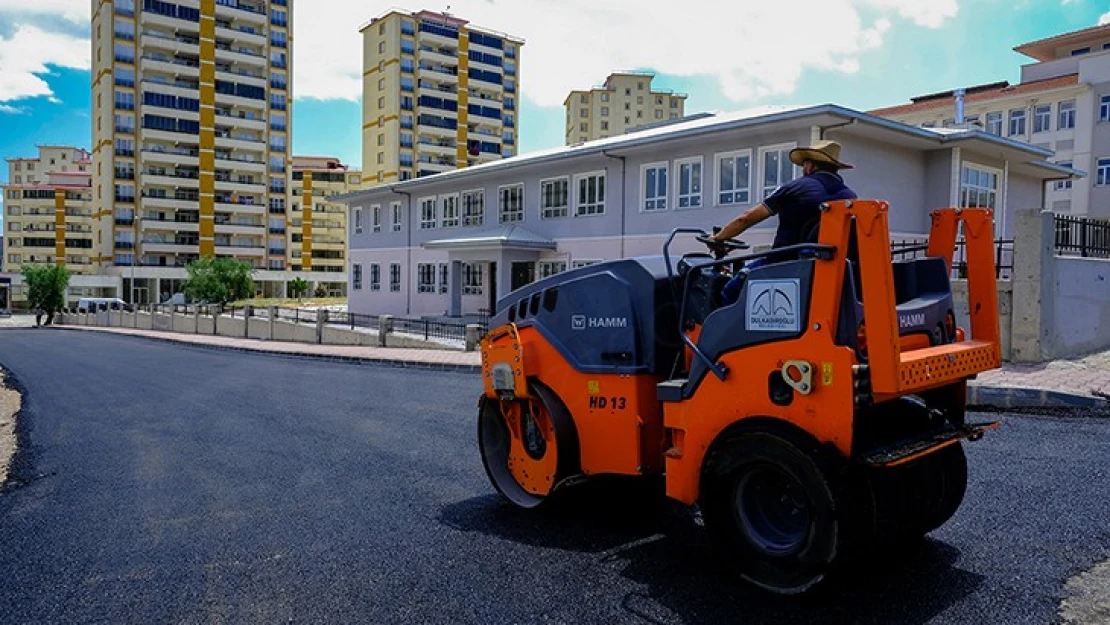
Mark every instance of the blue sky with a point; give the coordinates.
(896, 49)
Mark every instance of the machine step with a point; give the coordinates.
(908, 449)
(671, 390)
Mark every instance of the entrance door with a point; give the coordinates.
(523, 275)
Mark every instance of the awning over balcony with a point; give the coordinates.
(510, 237)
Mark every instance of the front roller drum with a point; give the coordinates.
(528, 446)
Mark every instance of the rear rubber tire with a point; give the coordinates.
(784, 546)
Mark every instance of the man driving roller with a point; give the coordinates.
(797, 204)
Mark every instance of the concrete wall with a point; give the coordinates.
(289, 331)
(1005, 311)
(1082, 306)
(230, 327)
(258, 328)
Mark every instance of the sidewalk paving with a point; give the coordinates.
(1082, 383)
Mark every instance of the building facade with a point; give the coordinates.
(438, 94)
(1062, 103)
(624, 102)
(458, 242)
(318, 226)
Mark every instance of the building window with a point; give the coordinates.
(994, 123)
(395, 210)
(427, 213)
(578, 264)
(653, 184)
(1062, 185)
(1067, 115)
(1042, 118)
(450, 210)
(734, 177)
(444, 275)
(1103, 170)
(590, 194)
(1017, 122)
(554, 198)
(548, 268)
(978, 186)
(472, 279)
(689, 182)
(395, 277)
(375, 277)
(473, 207)
(777, 168)
(510, 204)
(356, 277)
(358, 221)
(426, 278)
(376, 218)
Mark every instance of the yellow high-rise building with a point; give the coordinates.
(625, 102)
(318, 226)
(48, 211)
(438, 94)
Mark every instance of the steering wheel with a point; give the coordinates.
(720, 249)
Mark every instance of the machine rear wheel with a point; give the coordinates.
(770, 506)
(528, 446)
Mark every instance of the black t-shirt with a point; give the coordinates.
(797, 203)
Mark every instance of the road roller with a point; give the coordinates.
(820, 414)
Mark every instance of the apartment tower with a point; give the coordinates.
(624, 102)
(438, 94)
(318, 226)
(191, 130)
(48, 211)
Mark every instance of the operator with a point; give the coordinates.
(797, 204)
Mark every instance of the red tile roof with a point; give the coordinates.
(981, 96)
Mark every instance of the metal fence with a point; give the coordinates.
(1003, 256)
(1082, 236)
(352, 320)
(431, 329)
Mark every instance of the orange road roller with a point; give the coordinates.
(821, 412)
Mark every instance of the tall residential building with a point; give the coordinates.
(1061, 103)
(626, 101)
(191, 132)
(318, 226)
(437, 94)
(48, 211)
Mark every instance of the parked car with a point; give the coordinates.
(94, 304)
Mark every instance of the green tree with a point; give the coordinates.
(298, 287)
(219, 280)
(46, 288)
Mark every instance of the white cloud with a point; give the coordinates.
(1104, 19)
(76, 11)
(754, 50)
(11, 110)
(25, 55)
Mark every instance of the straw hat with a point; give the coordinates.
(820, 152)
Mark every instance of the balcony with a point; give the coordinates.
(170, 248)
(257, 208)
(158, 41)
(242, 12)
(171, 157)
(169, 225)
(433, 55)
(234, 250)
(239, 164)
(436, 40)
(170, 203)
(239, 119)
(170, 23)
(240, 142)
(244, 56)
(436, 165)
(440, 75)
(436, 90)
(245, 185)
(240, 228)
(438, 148)
(238, 33)
(181, 89)
(436, 131)
(170, 179)
(173, 67)
(169, 137)
(241, 102)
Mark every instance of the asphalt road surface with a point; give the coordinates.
(162, 483)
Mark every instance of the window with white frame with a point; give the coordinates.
(554, 198)
(583, 262)
(1067, 115)
(426, 278)
(444, 276)
(777, 168)
(994, 123)
(1103, 169)
(734, 177)
(356, 277)
(1104, 109)
(653, 185)
(395, 277)
(472, 279)
(375, 277)
(395, 209)
(376, 218)
(590, 194)
(510, 204)
(450, 213)
(427, 213)
(688, 190)
(979, 186)
(548, 268)
(358, 221)
(1061, 185)
(1042, 118)
(473, 207)
(1017, 122)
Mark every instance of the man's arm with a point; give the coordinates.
(746, 220)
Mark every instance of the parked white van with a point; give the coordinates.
(93, 304)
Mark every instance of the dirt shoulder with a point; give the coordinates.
(9, 406)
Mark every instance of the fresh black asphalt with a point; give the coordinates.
(159, 483)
